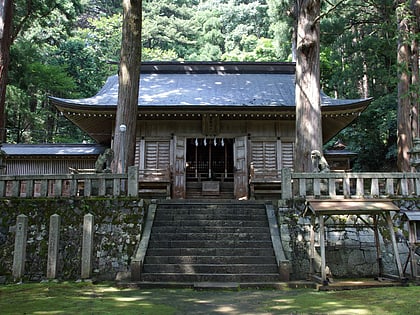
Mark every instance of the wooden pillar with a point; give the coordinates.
(378, 246)
(394, 244)
(412, 246)
(312, 247)
(322, 247)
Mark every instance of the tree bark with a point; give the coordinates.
(415, 80)
(407, 59)
(6, 12)
(308, 103)
(128, 92)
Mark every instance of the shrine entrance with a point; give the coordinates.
(209, 167)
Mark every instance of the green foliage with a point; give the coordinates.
(282, 23)
(358, 59)
(68, 48)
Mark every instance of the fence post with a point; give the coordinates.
(19, 255)
(87, 246)
(53, 242)
(286, 184)
(133, 181)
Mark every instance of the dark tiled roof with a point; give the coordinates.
(208, 84)
(53, 149)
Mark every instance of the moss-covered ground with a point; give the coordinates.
(88, 298)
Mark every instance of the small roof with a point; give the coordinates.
(349, 206)
(411, 215)
(52, 149)
(174, 88)
(338, 153)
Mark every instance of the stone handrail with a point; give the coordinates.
(349, 185)
(70, 185)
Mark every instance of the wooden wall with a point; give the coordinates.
(32, 165)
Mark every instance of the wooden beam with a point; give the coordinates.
(322, 247)
(378, 246)
(312, 247)
(412, 246)
(394, 244)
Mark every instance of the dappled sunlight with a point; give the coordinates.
(202, 301)
(107, 289)
(129, 299)
(83, 298)
(355, 311)
(318, 303)
(225, 309)
(49, 312)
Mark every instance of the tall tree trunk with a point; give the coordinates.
(6, 12)
(415, 80)
(128, 92)
(308, 103)
(407, 59)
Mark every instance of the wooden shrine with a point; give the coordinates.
(229, 123)
(321, 209)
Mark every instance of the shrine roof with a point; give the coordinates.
(208, 84)
(171, 90)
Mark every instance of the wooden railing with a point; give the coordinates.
(70, 185)
(290, 185)
(349, 185)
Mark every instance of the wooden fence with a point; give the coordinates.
(349, 185)
(70, 185)
(333, 185)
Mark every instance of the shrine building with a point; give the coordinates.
(210, 128)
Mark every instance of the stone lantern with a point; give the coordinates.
(415, 154)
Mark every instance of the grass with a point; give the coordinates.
(87, 298)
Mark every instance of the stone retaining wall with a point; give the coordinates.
(350, 251)
(118, 226)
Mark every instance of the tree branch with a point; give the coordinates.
(328, 12)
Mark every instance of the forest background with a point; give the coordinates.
(67, 48)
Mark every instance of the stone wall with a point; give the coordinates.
(118, 226)
(350, 246)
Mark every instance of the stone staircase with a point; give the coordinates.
(209, 241)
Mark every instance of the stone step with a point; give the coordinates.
(209, 205)
(217, 223)
(169, 216)
(208, 229)
(210, 236)
(208, 277)
(210, 268)
(151, 251)
(210, 260)
(245, 244)
(210, 241)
